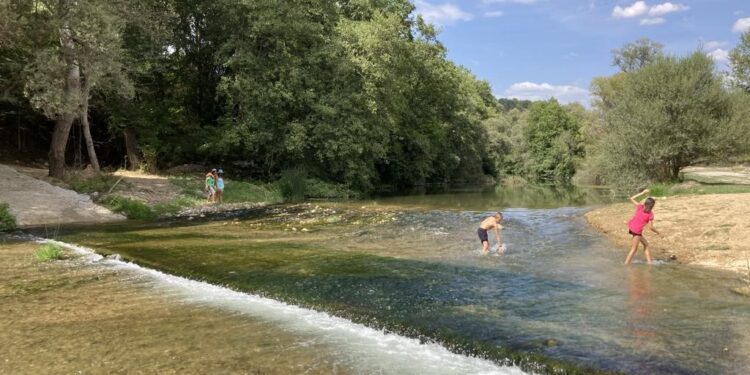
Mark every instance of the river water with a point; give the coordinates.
(558, 300)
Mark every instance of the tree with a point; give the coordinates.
(636, 55)
(662, 118)
(739, 58)
(554, 143)
(76, 49)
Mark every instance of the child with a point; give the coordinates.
(487, 224)
(643, 215)
(220, 186)
(210, 185)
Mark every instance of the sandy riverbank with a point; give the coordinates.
(35, 202)
(705, 230)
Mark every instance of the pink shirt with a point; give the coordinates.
(640, 219)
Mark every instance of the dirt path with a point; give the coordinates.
(34, 202)
(148, 188)
(706, 230)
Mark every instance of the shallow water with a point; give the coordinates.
(559, 298)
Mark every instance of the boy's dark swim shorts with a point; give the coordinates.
(482, 234)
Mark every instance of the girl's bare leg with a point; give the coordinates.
(633, 248)
(645, 249)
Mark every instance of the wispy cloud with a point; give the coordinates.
(742, 25)
(666, 8)
(650, 15)
(441, 14)
(653, 21)
(542, 91)
(494, 14)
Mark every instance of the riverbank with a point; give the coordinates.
(710, 230)
(35, 202)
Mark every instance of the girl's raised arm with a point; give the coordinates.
(635, 202)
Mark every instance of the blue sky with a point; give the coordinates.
(534, 49)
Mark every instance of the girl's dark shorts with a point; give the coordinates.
(634, 234)
(482, 234)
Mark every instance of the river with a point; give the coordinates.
(399, 285)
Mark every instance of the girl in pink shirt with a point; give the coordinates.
(643, 216)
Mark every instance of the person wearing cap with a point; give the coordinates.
(219, 195)
(211, 185)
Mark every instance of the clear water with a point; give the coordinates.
(559, 299)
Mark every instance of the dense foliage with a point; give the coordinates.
(359, 92)
(662, 117)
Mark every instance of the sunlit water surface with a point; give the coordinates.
(559, 297)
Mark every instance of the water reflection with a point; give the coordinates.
(640, 318)
(527, 196)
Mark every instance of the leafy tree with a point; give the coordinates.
(554, 143)
(740, 61)
(636, 55)
(661, 118)
(75, 49)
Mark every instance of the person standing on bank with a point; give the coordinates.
(490, 223)
(644, 214)
(220, 186)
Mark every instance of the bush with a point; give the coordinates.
(131, 208)
(48, 252)
(241, 191)
(7, 221)
(293, 185)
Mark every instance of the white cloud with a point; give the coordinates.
(650, 15)
(442, 14)
(653, 21)
(714, 45)
(494, 14)
(719, 55)
(666, 8)
(742, 25)
(542, 91)
(638, 9)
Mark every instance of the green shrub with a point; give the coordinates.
(7, 221)
(293, 184)
(131, 208)
(241, 191)
(321, 189)
(48, 252)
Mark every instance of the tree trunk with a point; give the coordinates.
(64, 121)
(85, 124)
(131, 146)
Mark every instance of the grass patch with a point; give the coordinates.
(48, 252)
(7, 221)
(669, 189)
(234, 191)
(131, 208)
(294, 185)
(88, 184)
(241, 191)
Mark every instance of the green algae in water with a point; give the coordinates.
(508, 313)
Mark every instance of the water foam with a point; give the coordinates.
(364, 349)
